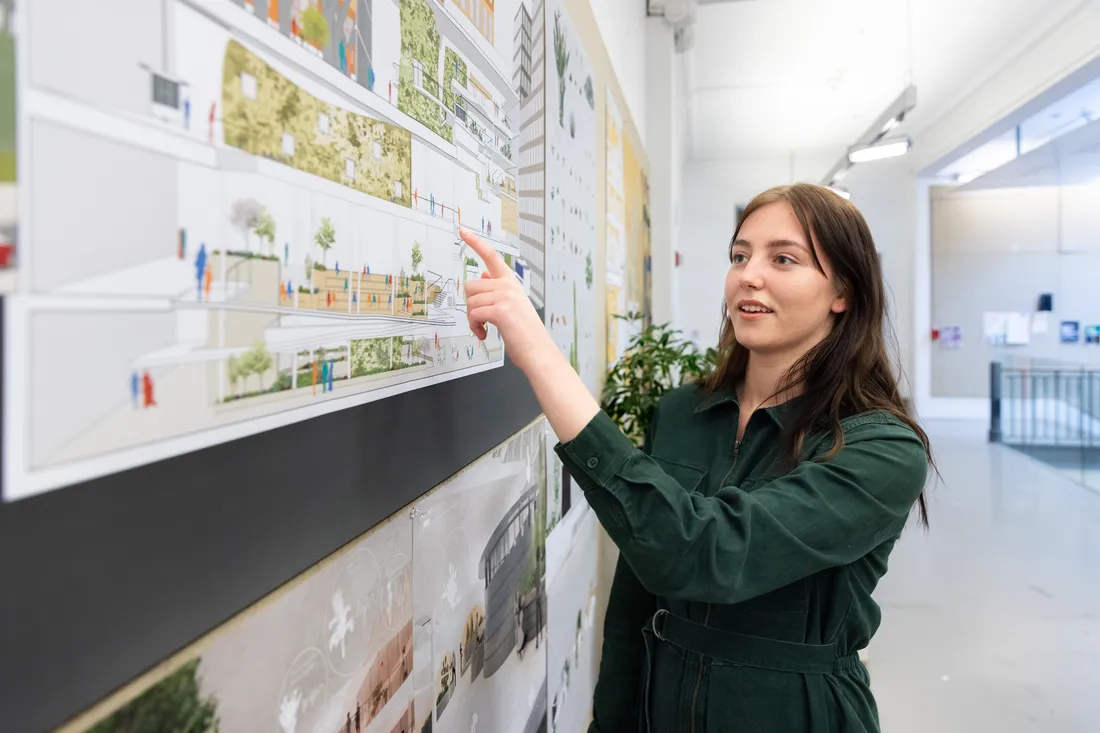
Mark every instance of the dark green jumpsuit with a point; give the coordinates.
(742, 593)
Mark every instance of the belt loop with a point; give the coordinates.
(661, 612)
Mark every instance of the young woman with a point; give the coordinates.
(758, 517)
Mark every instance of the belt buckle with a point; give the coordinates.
(657, 632)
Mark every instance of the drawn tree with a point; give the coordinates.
(244, 217)
(256, 360)
(561, 57)
(236, 372)
(315, 28)
(417, 257)
(446, 674)
(589, 93)
(588, 270)
(325, 238)
(265, 228)
(288, 711)
(173, 705)
(341, 623)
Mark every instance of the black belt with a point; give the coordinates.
(749, 651)
(738, 649)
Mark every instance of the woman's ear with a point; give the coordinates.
(840, 304)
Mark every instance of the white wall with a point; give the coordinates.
(622, 25)
(997, 250)
(886, 196)
(712, 190)
(666, 146)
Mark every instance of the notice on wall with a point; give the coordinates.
(1092, 334)
(246, 215)
(1070, 332)
(1006, 328)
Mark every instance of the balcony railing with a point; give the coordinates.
(1050, 411)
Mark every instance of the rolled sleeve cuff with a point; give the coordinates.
(597, 453)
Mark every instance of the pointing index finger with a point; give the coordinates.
(493, 261)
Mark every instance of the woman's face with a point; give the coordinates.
(779, 303)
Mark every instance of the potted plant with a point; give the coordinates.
(657, 360)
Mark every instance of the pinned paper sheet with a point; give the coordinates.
(1005, 328)
(1040, 322)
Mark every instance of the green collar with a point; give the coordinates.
(724, 395)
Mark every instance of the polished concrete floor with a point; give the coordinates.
(991, 620)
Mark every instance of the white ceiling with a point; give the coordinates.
(804, 75)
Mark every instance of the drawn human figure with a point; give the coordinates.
(347, 727)
(458, 214)
(213, 110)
(135, 388)
(286, 253)
(370, 78)
(416, 197)
(358, 719)
(337, 268)
(343, 57)
(431, 204)
(200, 270)
(345, 284)
(482, 224)
(187, 113)
(181, 251)
(354, 299)
(313, 370)
(490, 227)
(324, 377)
(289, 290)
(147, 387)
(331, 372)
(207, 279)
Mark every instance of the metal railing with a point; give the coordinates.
(1044, 404)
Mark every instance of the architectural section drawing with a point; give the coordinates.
(479, 594)
(528, 78)
(245, 215)
(332, 652)
(570, 215)
(616, 233)
(9, 123)
(571, 651)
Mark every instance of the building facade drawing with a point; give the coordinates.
(528, 80)
(481, 13)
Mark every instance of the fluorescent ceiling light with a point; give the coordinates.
(887, 149)
(891, 124)
(840, 175)
(843, 193)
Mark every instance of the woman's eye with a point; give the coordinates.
(738, 258)
(784, 260)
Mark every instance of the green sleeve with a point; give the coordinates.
(737, 545)
(616, 705)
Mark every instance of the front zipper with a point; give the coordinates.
(706, 615)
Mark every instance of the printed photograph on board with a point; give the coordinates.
(479, 598)
(332, 653)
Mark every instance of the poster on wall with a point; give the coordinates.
(333, 651)
(571, 306)
(636, 190)
(1092, 334)
(479, 594)
(251, 218)
(10, 17)
(615, 233)
(1070, 332)
(571, 651)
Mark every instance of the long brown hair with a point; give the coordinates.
(850, 371)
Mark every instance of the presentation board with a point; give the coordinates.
(240, 214)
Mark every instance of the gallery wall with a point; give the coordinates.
(222, 566)
(997, 251)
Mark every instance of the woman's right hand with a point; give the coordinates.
(498, 298)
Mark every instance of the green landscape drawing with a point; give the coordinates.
(7, 106)
(173, 705)
(374, 356)
(380, 153)
(420, 42)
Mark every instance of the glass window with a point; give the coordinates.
(322, 123)
(248, 85)
(166, 92)
(288, 144)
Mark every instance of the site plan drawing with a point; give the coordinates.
(244, 213)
